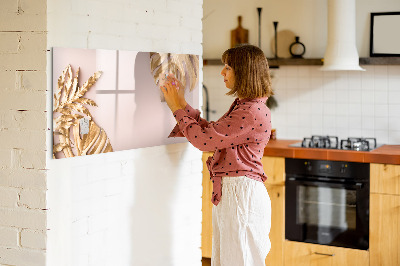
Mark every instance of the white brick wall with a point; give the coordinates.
(22, 132)
(86, 205)
(136, 207)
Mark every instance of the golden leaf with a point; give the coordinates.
(99, 144)
(67, 86)
(87, 85)
(59, 147)
(86, 101)
(180, 65)
(78, 108)
(74, 86)
(69, 103)
(94, 132)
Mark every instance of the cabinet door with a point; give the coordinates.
(206, 232)
(277, 233)
(385, 178)
(304, 254)
(274, 168)
(384, 230)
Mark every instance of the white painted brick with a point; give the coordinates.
(179, 7)
(33, 7)
(163, 46)
(31, 80)
(80, 228)
(134, 43)
(23, 178)
(98, 222)
(31, 56)
(168, 19)
(154, 32)
(7, 80)
(8, 237)
(33, 239)
(23, 139)
(149, 6)
(9, 42)
(17, 256)
(107, 41)
(23, 22)
(34, 120)
(8, 197)
(8, 6)
(23, 100)
(33, 199)
(114, 186)
(196, 10)
(191, 22)
(33, 159)
(15, 158)
(22, 218)
(5, 158)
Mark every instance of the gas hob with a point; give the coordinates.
(332, 142)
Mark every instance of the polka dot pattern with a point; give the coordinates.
(238, 139)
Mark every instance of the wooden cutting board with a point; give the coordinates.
(239, 35)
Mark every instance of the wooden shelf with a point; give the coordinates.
(380, 61)
(273, 63)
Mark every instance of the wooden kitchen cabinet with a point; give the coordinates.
(305, 254)
(384, 237)
(206, 225)
(277, 233)
(274, 168)
(385, 178)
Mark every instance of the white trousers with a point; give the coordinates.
(241, 223)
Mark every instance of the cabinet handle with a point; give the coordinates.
(324, 254)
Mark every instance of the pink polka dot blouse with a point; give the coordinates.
(238, 139)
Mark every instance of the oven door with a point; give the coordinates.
(327, 213)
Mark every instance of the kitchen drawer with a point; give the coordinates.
(305, 254)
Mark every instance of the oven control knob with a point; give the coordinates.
(343, 168)
(308, 166)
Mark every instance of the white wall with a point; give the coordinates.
(311, 102)
(136, 207)
(23, 132)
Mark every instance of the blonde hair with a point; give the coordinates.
(250, 66)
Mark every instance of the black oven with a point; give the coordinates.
(327, 202)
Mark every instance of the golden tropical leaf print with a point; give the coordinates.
(68, 111)
(180, 65)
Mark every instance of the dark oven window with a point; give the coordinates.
(327, 208)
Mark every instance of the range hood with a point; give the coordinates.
(341, 51)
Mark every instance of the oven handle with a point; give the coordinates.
(357, 185)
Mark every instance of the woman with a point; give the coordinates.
(242, 208)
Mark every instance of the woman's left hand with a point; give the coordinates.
(169, 89)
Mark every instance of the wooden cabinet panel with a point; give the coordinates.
(384, 230)
(305, 254)
(206, 232)
(277, 233)
(274, 168)
(385, 178)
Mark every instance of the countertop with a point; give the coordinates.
(388, 154)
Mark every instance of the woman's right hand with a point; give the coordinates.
(181, 91)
